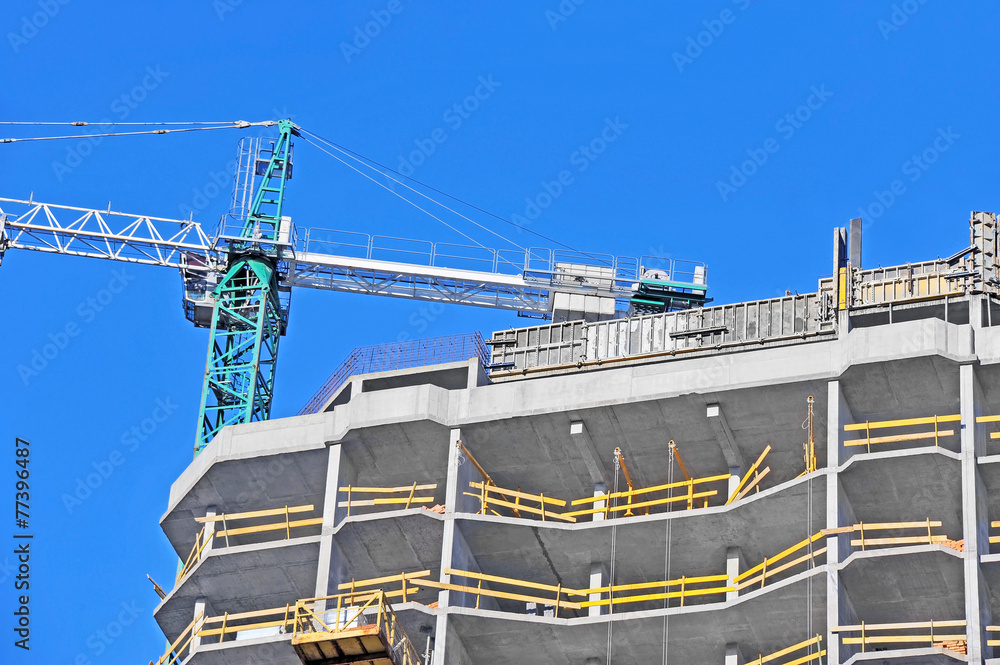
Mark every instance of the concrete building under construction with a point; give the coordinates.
(809, 478)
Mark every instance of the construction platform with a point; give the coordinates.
(812, 478)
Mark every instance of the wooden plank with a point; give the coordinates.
(899, 437)
(659, 596)
(952, 623)
(365, 503)
(779, 556)
(379, 580)
(756, 481)
(276, 526)
(641, 504)
(901, 639)
(255, 513)
(904, 540)
(807, 659)
(928, 420)
(787, 650)
(385, 490)
(648, 490)
(507, 580)
(518, 494)
(746, 476)
(653, 585)
(780, 569)
(566, 517)
(503, 594)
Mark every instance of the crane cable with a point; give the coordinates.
(341, 150)
(389, 189)
(239, 124)
(666, 554)
(361, 158)
(611, 572)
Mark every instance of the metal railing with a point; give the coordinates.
(789, 319)
(888, 633)
(208, 534)
(922, 435)
(399, 355)
(403, 501)
(374, 616)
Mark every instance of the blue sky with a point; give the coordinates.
(744, 132)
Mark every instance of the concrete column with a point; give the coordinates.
(734, 565)
(600, 489)
(733, 654)
(735, 476)
(974, 516)
(332, 568)
(838, 606)
(203, 609)
(208, 538)
(452, 493)
(598, 578)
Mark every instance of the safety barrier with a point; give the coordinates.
(751, 479)
(489, 494)
(953, 641)
(372, 626)
(689, 496)
(406, 502)
(683, 584)
(868, 426)
(777, 564)
(990, 419)
(559, 596)
(180, 648)
(202, 540)
(812, 654)
(924, 539)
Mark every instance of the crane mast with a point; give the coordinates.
(248, 317)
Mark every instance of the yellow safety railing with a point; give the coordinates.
(935, 433)
(179, 649)
(752, 478)
(779, 563)
(948, 640)
(925, 538)
(990, 419)
(993, 629)
(994, 525)
(689, 496)
(405, 501)
(491, 495)
(559, 596)
(618, 593)
(202, 541)
(813, 645)
(357, 587)
(374, 617)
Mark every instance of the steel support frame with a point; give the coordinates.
(243, 349)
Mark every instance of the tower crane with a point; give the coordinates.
(238, 280)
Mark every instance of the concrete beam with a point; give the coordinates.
(724, 435)
(599, 472)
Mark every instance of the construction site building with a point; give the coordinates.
(806, 478)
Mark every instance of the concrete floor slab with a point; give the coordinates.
(243, 579)
(903, 584)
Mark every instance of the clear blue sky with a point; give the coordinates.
(835, 100)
